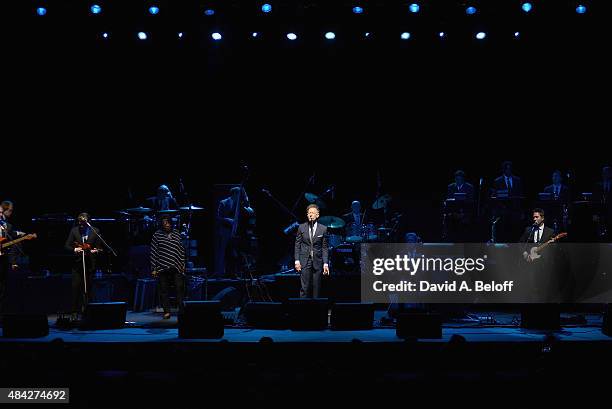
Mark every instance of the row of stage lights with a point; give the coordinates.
(266, 8)
(330, 35)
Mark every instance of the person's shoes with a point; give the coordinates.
(167, 316)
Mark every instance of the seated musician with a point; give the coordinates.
(163, 200)
(557, 189)
(460, 186)
(508, 181)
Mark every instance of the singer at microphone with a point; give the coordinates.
(84, 242)
(311, 253)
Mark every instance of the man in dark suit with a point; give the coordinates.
(84, 241)
(508, 181)
(558, 190)
(311, 253)
(460, 186)
(537, 233)
(603, 190)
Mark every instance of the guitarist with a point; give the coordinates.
(9, 233)
(537, 233)
(4, 260)
(83, 240)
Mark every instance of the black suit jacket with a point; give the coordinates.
(318, 245)
(527, 236)
(517, 186)
(564, 194)
(75, 235)
(466, 188)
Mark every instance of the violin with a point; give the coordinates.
(85, 246)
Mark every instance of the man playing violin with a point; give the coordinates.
(85, 243)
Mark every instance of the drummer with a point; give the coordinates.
(163, 200)
(354, 221)
(355, 216)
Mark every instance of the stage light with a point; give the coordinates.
(517, 34)
(481, 35)
(95, 9)
(266, 8)
(470, 10)
(142, 35)
(330, 35)
(526, 7)
(580, 9)
(254, 35)
(405, 36)
(153, 10)
(292, 36)
(105, 35)
(180, 35)
(209, 12)
(441, 34)
(357, 10)
(41, 11)
(216, 36)
(414, 8)
(367, 35)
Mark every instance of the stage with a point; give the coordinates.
(146, 365)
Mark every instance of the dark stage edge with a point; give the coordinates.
(149, 367)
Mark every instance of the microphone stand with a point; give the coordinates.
(102, 239)
(310, 182)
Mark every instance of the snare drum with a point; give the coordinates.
(334, 240)
(353, 233)
(369, 232)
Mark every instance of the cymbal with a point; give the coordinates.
(312, 198)
(332, 222)
(381, 202)
(191, 208)
(139, 209)
(169, 211)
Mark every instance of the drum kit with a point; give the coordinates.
(143, 221)
(344, 238)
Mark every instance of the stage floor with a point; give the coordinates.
(150, 327)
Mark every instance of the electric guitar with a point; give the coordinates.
(4, 243)
(534, 252)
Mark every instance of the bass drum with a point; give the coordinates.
(344, 259)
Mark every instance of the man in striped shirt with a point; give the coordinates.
(168, 263)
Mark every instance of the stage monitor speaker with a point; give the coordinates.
(352, 316)
(541, 316)
(307, 314)
(265, 315)
(419, 325)
(201, 319)
(25, 325)
(104, 315)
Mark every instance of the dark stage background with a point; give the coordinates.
(418, 186)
